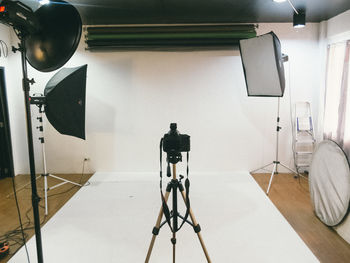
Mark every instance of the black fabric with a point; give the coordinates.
(6, 158)
(65, 101)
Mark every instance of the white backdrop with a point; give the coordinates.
(133, 96)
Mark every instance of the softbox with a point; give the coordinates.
(65, 101)
(263, 65)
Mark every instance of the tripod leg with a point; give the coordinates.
(64, 180)
(156, 228)
(272, 174)
(261, 168)
(197, 229)
(174, 245)
(45, 194)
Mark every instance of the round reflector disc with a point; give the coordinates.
(57, 38)
(329, 182)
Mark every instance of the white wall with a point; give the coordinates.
(338, 25)
(133, 96)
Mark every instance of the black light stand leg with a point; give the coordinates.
(35, 197)
(174, 183)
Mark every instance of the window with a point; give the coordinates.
(337, 100)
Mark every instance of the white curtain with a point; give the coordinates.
(337, 100)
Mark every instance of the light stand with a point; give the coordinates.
(47, 44)
(46, 174)
(35, 197)
(276, 162)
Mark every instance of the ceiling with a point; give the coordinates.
(203, 11)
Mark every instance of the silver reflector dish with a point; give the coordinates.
(329, 182)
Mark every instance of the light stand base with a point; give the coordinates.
(46, 188)
(274, 171)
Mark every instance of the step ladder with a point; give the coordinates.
(304, 137)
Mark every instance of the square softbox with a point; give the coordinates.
(263, 65)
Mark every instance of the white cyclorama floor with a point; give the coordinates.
(112, 219)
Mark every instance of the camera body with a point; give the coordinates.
(174, 142)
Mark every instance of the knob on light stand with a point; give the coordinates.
(48, 38)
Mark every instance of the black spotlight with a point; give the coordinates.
(64, 100)
(48, 38)
(299, 19)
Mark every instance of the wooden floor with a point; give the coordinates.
(8, 212)
(290, 196)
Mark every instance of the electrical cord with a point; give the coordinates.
(19, 218)
(17, 236)
(14, 237)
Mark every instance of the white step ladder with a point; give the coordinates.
(304, 138)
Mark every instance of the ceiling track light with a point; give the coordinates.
(44, 2)
(299, 19)
(298, 16)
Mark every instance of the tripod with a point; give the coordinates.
(276, 162)
(173, 186)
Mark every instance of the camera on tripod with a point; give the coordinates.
(174, 143)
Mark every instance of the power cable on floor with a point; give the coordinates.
(19, 218)
(18, 236)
